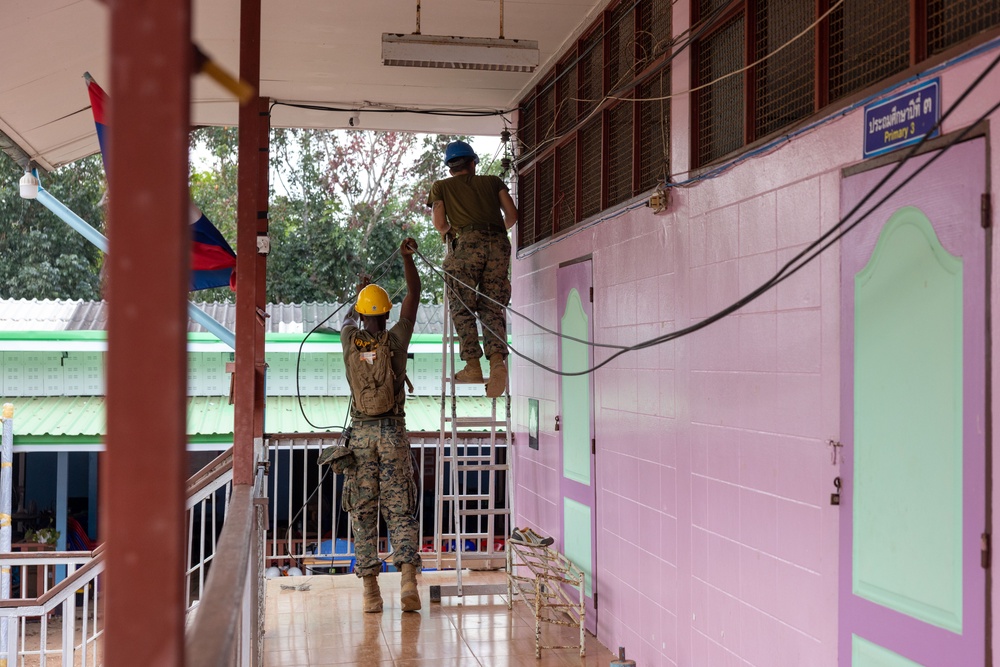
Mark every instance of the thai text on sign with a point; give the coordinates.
(903, 119)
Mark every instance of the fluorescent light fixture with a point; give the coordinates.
(479, 53)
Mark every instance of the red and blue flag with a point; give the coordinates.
(213, 262)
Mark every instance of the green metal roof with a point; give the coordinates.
(52, 420)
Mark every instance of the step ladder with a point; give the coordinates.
(474, 493)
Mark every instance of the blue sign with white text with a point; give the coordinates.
(902, 119)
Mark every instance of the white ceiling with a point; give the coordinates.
(315, 51)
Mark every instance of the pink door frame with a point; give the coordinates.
(579, 275)
(948, 189)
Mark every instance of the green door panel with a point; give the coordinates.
(908, 426)
(576, 522)
(575, 392)
(866, 654)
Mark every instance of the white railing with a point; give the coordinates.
(208, 494)
(309, 529)
(62, 625)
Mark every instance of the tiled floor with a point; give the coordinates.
(325, 626)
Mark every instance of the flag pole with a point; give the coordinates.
(61, 211)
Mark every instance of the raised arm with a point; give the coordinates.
(509, 209)
(439, 218)
(351, 316)
(408, 311)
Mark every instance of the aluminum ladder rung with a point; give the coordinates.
(480, 497)
(503, 511)
(489, 430)
(471, 458)
(469, 536)
(483, 467)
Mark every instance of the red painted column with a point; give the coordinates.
(251, 211)
(145, 465)
(263, 191)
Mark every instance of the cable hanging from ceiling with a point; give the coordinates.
(796, 263)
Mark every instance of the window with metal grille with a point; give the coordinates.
(545, 123)
(526, 130)
(566, 95)
(653, 37)
(708, 7)
(526, 209)
(654, 134)
(869, 41)
(621, 46)
(760, 66)
(720, 102)
(784, 80)
(591, 72)
(592, 160)
(546, 188)
(620, 144)
(566, 195)
(952, 21)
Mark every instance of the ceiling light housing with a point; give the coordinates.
(477, 53)
(29, 186)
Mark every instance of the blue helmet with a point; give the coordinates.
(459, 149)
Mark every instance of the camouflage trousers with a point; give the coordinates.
(480, 260)
(382, 478)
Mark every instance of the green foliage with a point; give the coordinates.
(48, 535)
(341, 202)
(43, 257)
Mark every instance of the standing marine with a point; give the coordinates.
(473, 214)
(375, 364)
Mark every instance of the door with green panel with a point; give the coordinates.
(913, 406)
(577, 502)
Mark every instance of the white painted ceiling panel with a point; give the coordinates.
(325, 52)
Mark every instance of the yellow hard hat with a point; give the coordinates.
(373, 300)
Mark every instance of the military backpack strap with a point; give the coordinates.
(372, 378)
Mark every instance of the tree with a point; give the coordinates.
(42, 256)
(341, 203)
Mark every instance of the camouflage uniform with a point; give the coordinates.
(480, 259)
(383, 476)
(384, 471)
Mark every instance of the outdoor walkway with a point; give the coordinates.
(325, 626)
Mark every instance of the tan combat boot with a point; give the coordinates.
(498, 376)
(472, 373)
(373, 596)
(408, 594)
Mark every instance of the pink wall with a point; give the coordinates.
(717, 544)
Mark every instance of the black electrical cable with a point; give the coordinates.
(789, 268)
(589, 343)
(694, 33)
(343, 427)
(565, 69)
(457, 113)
